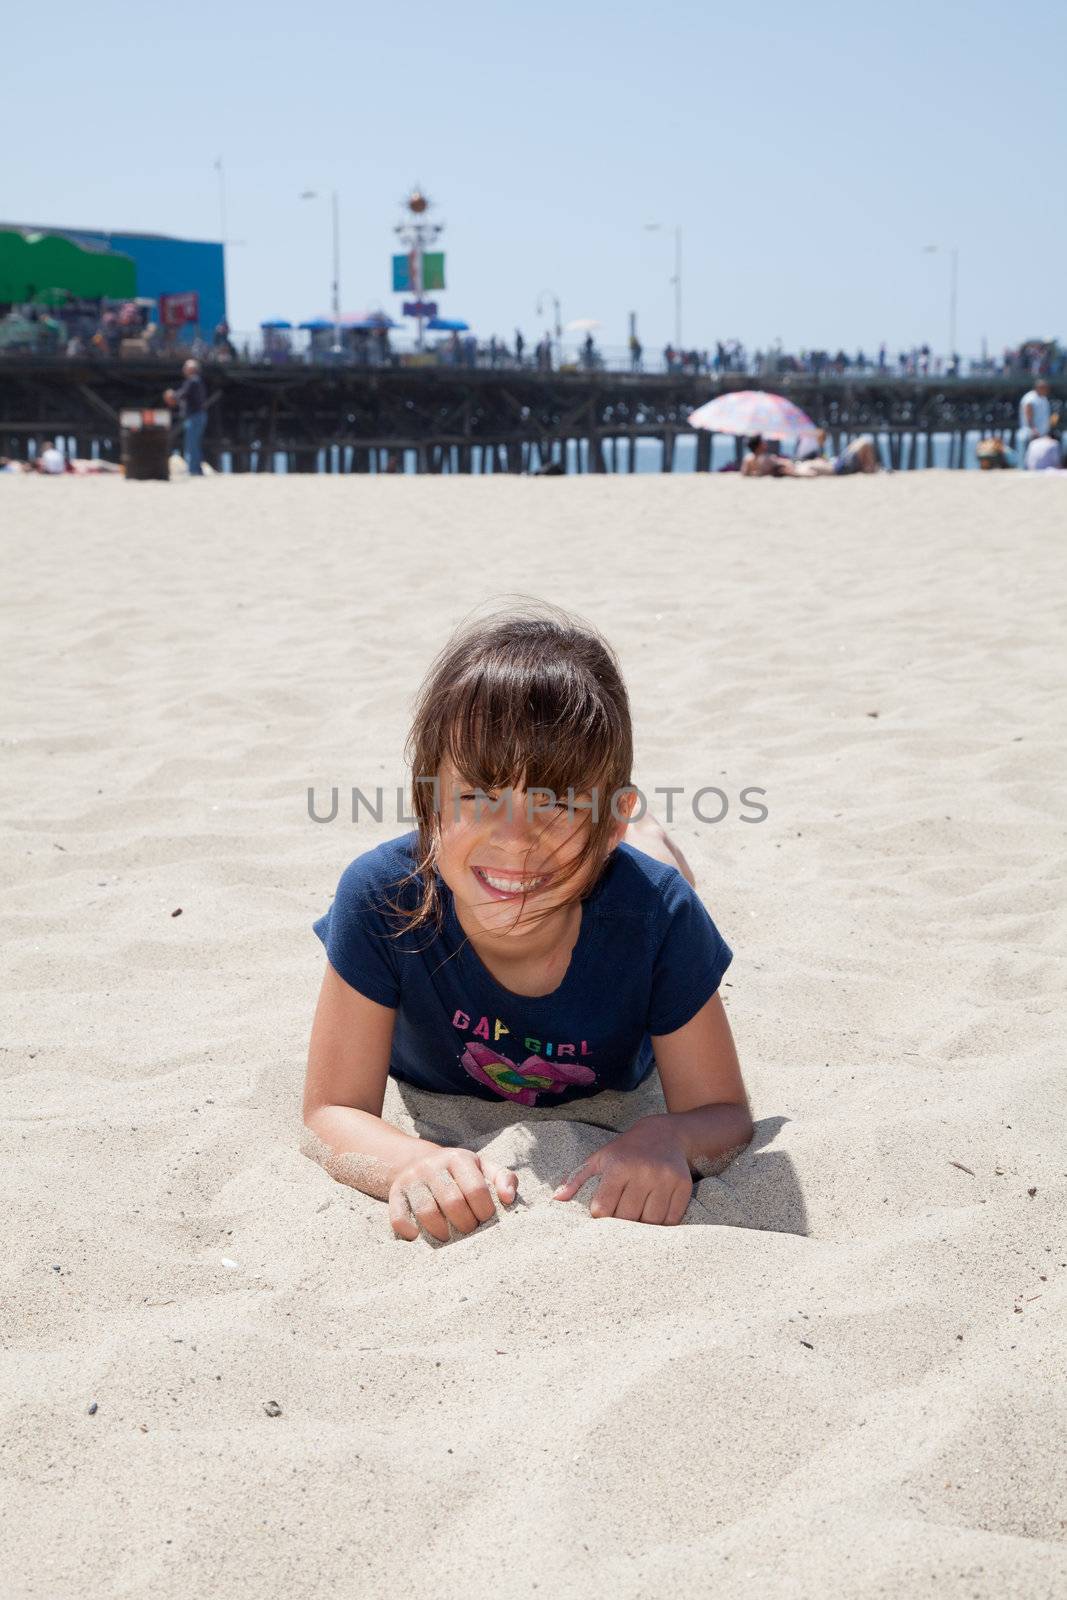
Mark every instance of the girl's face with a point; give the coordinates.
(503, 854)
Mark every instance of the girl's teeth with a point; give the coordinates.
(508, 886)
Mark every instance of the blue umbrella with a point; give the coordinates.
(446, 325)
(276, 322)
(313, 324)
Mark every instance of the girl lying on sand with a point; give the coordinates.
(517, 946)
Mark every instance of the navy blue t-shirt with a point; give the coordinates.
(648, 956)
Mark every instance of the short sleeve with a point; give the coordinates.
(357, 936)
(689, 966)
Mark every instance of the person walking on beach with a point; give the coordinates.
(1035, 417)
(191, 400)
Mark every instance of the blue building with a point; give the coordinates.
(164, 265)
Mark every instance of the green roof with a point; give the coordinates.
(34, 264)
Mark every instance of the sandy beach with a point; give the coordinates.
(844, 1375)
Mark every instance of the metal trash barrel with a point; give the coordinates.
(144, 440)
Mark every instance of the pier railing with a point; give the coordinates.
(301, 348)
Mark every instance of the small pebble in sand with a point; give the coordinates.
(177, 913)
(57, 1269)
(92, 1408)
(233, 1265)
(272, 1408)
(1031, 1192)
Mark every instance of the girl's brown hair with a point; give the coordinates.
(531, 697)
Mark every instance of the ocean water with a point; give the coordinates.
(649, 454)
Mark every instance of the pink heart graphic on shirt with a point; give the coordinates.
(522, 1083)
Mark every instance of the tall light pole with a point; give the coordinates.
(655, 227)
(224, 238)
(953, 284)
(335, 302)
(222, 227)
(222, 208)
(548, 294)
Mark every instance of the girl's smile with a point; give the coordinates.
(507, 885)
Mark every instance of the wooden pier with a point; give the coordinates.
(457, 419)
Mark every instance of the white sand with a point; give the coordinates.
(846, 1377)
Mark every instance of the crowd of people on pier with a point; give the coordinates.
(126, 330)
(122, 331)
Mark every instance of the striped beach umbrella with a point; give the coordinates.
(745, 412)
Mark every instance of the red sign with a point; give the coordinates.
(175, 310)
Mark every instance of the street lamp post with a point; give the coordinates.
(655, 227)
(224, 239)
(953, 285)
(548, 294)
(335, 294)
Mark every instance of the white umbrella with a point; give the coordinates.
(583, 325)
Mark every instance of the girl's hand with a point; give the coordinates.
(447, 1186)
(644, 1175)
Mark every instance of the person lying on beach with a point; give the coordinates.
(519, 947)
(860, 456)
(810, 446)
(762, 462)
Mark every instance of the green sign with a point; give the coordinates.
(433, 272)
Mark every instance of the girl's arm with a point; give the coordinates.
(707, 1105)
(348, 1064)
(646, 1173)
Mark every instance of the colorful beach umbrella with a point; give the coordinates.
(447, 325)
(745, 412)
(278, 323)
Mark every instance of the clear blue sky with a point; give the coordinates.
(809, 152)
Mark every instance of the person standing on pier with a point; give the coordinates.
(1035, 416)
(191, 400)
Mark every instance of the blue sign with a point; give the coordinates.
(420, 308)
